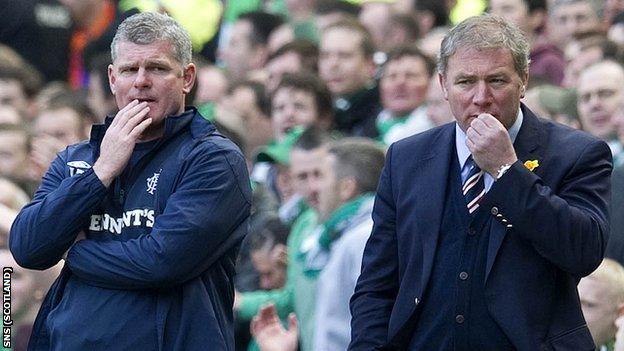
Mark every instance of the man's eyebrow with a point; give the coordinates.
(497, 75)
(126, 65)
(157, 62)
(464, 76)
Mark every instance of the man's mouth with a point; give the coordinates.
(148, 100)
(599, 117)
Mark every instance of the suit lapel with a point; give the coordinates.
(431, 191)
(526, 145)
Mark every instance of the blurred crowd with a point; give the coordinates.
(312, 91)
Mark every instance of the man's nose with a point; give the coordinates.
(313, 185)
(142, 79)
(399, 82)
(482, 95)
(594, 99)
(333, 61)
(289, 113)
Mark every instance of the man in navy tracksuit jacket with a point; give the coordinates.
(148, 214)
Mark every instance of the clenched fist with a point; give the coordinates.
(490, 144)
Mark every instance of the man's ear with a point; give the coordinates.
(620, 309)
(347, 189)
(189, 77)
(442, 81)
(111, 79)
(279, 253)
(259, 58)
(371, 67)
(525, 81)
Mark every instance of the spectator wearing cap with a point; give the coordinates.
(279, 179)
(403, 87)
(346, 65)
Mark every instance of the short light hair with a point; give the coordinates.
(611, 273)
(148, 27)
(360, 159)
(484, 32)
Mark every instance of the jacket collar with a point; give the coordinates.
(173, 124)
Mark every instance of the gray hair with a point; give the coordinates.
(486, 32)
(148, 27)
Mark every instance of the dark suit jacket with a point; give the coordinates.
(615, 247)
(550, 228)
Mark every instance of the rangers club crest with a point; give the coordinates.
(152, 182)
(77, 167)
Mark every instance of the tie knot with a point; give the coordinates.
(472, 166)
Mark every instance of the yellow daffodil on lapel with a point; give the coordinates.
(531, 164)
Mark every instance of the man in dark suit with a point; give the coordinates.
(483, 227)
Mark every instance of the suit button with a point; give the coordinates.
(459, 319)
(416, 301)
(471, 231)
(463, 275)
(494, 211)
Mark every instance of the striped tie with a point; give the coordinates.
(474, 186)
